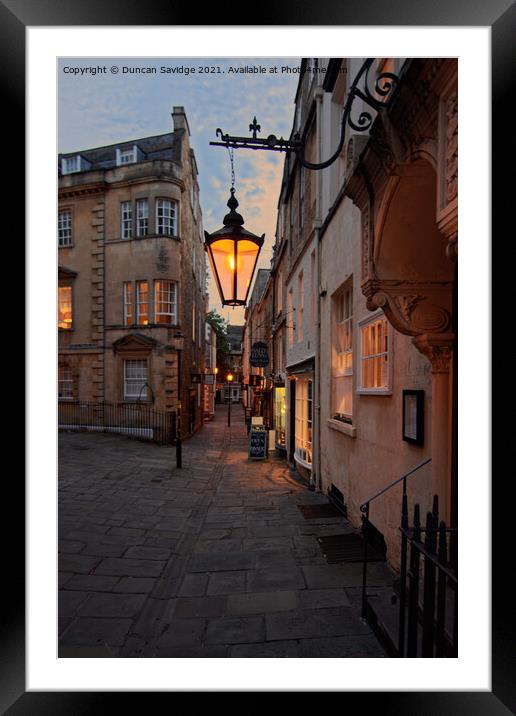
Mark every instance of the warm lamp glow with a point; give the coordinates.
(230, 377)
(233, 253)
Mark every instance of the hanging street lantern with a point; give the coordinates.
(233, 253)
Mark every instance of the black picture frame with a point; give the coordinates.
(15, 17)
(413, 417)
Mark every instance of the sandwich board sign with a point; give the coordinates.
(257, 443)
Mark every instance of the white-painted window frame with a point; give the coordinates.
(134, 383)
(126, 156)
(165, 297)
(140, 303)
(342, 346)
(128, 303)
(303, 445)
(364, 324)
(65, 383)
(126, 219)
(166, 217)
(64, 228)
(142, 217)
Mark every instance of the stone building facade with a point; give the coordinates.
(132, 274)
(364, 274)
(258, 329)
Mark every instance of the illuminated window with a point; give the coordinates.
(142, 217)
(165, 301)
(135, 379)
(64, 228)
(304, 417)
(128, 304)
(375, 355)
(342, 354)
(65, 307)
(280, 416)
(142, 303)
(166, 217)
(64, 383)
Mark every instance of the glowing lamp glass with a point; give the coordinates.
(233, 254)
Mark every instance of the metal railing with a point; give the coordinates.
(136, 420)
(428, 589)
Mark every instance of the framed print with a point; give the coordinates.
(413, 416)
(38, 41)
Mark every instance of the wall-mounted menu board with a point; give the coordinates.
(257, 444)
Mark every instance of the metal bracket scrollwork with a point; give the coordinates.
(385, 86)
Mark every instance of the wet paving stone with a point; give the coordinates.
(211, 561)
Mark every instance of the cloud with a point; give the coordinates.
(105, 109)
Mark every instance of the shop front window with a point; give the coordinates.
(280, 416)
(303, 433)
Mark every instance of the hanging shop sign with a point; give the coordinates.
(259, 355)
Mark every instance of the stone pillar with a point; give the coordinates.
(438, 349)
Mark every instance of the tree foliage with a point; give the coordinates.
(220, 326)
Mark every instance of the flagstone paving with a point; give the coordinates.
(214, 560)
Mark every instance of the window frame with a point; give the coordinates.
(59, 213)
(126, 224)
(385, 390)
(303, 404)
(142, 201)
(139, 302)
(300, 305)
(76, 166)
(133, 397)
(345, 372)
(174, 223)
(173, 302)
(67, 285)
(61, 380)
(122, 152)
(128, 303)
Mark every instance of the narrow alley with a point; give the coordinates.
(214, 560)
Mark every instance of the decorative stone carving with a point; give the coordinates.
(438, 350)
(413, 309)
(452, 126)
(366, 243)
(382, 146)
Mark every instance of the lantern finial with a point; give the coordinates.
(233, 219)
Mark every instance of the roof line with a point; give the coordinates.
(116, 144)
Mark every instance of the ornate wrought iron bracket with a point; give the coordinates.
(380, 98)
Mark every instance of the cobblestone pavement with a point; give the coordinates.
(214, 560)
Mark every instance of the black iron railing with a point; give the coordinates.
(136, 420)
(429, 587)
(428, 584)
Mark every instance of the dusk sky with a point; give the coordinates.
(106, 108)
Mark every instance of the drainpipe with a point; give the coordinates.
(319, 94)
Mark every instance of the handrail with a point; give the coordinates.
(365, 505)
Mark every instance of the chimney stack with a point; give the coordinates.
(179, 119)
